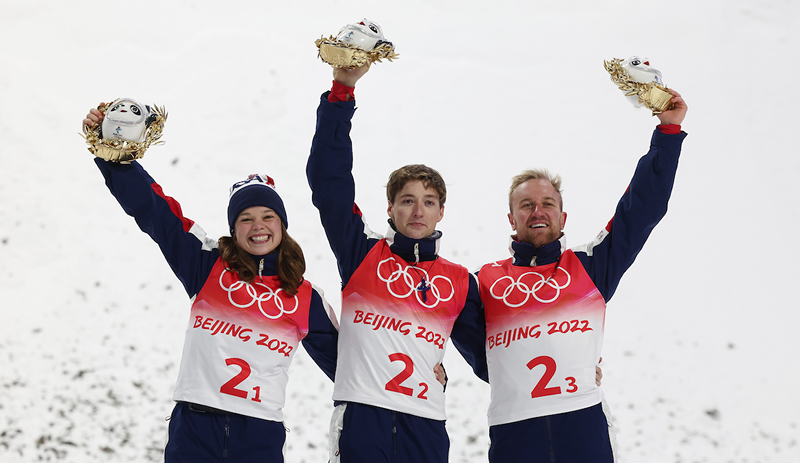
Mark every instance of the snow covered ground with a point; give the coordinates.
(701, 337)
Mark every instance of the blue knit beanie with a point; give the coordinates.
(257, 190)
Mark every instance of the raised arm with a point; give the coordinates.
(187, 249)
(329, 173)
(641, 207)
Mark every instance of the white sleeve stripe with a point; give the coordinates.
(588, 248)
(369, 233)
(328, 307)
(207, 243)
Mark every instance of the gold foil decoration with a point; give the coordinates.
(653, 96)
(124, 151)
(346, 55)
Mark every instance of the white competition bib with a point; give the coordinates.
(544, 328)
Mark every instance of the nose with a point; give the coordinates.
(418, 208)
(539, 213)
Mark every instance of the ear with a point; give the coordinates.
(563, 220)
(151, 118)
(511, 221)
(389, 210)
(441, 214)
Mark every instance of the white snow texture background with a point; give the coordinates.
(701, 350)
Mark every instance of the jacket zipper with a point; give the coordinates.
(394, 435)
(261, 269)
(227, 437)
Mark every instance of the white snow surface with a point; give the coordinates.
(701, 336)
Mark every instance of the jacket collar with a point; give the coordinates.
(526, 255)
(269, 260)
(413, 250)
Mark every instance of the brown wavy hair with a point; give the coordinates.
(291, 263)
(429, 177)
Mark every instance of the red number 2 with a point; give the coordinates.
(394, 384)
(541, 389)
(230, 386)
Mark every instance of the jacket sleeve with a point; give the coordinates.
(642, 206)
(323, 334)
(329, 172)
(469, 332)
(189, 252)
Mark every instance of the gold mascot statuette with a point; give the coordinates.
(120, 150)
(653, 96)
(355, 45)
(345, 55)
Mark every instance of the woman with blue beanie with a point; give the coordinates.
(251, 308)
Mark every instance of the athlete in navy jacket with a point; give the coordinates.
(545, 309)
(250, 310)
(401, 301)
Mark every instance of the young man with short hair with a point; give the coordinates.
(545, 309)
(401, 301)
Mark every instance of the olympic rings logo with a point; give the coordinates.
(265, 295)
(531, 290)
(400, 272)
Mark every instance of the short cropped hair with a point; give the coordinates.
(536, 174)
(429, 177)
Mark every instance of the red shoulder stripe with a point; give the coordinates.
(174, 206)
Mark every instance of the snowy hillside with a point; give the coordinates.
(701, 336)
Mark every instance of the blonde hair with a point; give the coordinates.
(536, 174)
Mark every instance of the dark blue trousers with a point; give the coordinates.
(574, 437)
(205, 436)
(376, 435)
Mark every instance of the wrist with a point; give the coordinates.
(341, 92)
(670, 129)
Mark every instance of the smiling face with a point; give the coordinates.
(536, 213)
(257, 230)
(416, 210)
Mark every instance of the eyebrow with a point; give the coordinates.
(427, 196)
(266, 211)
(522, 200)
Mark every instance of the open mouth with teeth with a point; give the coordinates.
(259, 239)
(539, 225)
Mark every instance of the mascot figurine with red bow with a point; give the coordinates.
(642, 84)
(355, 45)
(127, 130)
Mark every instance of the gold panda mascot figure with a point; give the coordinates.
(642, 84)
(127, 130)
(355, 45)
